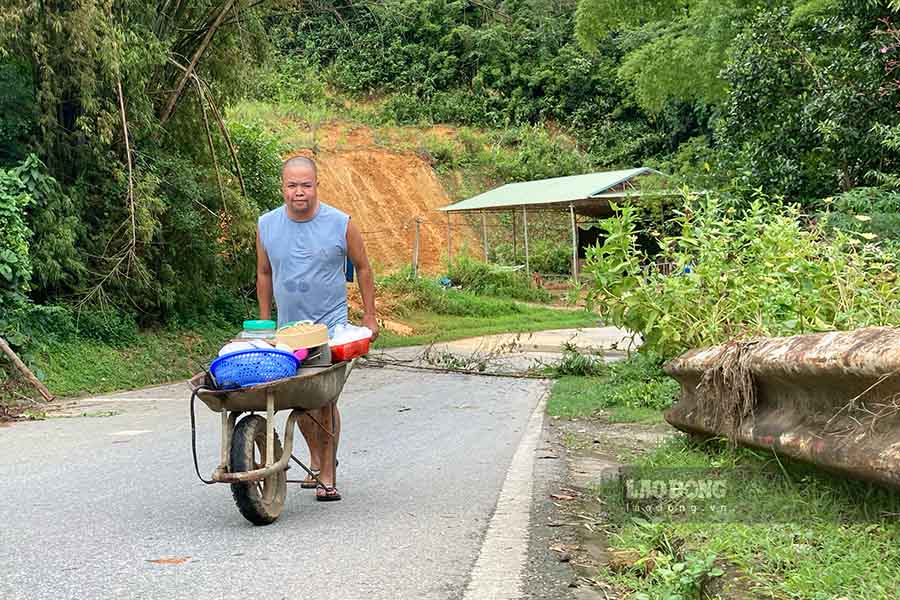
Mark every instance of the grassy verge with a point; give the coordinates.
(432, 327)
(791, 532)
(635, 390)
(778, 529)
(85, 366)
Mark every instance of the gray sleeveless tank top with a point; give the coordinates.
(308, 265)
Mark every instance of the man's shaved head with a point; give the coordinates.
(299, 183)
(299, 161)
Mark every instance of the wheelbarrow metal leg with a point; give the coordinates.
(270, 428)
(262, 473)
(226, 445)
(228, 421)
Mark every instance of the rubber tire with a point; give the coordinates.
(250, 435)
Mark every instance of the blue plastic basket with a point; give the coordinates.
(251, 367)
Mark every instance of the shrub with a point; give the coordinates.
(29, 326)
(15, 260)
(762, 272)
(112, 327)
(488, 280)
(428, 295)
(544, 256)
(259, 154)
(865, 211)
(403, 109)
(289, 80)
(574, 362)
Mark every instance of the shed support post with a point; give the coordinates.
(525, 232)
(449, 242)
(574, 243)
(515, 246)
(484, 234)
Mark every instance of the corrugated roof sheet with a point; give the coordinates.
(548, 191)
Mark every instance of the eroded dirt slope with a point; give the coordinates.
(384, 192)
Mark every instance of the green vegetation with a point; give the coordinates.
(793, 532)
(438, 314)
(763, 270)
(481, 278)
(634, 390)
(431, 327)
(153, 357)
(795, 96)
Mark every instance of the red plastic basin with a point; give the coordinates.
(349, 350)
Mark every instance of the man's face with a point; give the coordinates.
(299, 187)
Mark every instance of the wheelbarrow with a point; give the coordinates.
(253, 460)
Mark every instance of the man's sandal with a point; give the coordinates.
(327, 494)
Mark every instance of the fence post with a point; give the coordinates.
(415, 256)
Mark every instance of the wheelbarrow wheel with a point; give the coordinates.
(259, 501)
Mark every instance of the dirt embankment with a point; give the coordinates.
(384, 192)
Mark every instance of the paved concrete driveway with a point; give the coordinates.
(89, 502)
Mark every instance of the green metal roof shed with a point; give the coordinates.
(589, 194)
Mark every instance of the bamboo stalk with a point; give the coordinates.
(173, 98)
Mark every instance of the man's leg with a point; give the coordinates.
(311, 432)
(314, 435)
(330, 419)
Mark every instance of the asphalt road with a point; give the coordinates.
(87, 503)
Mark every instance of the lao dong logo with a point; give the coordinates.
(666, 489)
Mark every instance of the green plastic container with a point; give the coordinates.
(258, 330)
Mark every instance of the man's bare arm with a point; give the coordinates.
(356, 249)
(263, 280)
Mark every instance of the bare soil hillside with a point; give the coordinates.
(384, 192)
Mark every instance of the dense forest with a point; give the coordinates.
(128, 196)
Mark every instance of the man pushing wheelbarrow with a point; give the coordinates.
(302, 248)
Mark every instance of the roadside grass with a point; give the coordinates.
(431, 327)
(790, 531)
(439, 314)
(157, 356)
(787, 530)
(633, 390)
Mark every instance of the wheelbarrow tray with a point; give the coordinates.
(311, 388)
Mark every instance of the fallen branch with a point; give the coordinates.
(40, 387)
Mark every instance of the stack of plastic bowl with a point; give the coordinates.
(252, 367)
